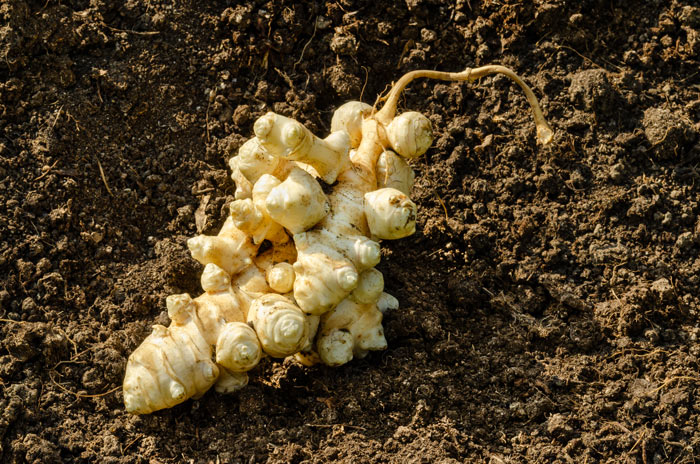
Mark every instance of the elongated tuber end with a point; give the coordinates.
(171, 365)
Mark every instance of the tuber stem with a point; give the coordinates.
(388, 111)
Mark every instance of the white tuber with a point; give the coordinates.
(290, 140)
(410, 134)
(252, 216)
(281, 277)
(393, 171)
(327, 267)
(231, 250)
(292, 271)
(369, 288)
(390, 214)
(350, 330)
(298, 203)
(348, 117)
(387, 303)
(253, 161)
(238, 348)
(281, 326)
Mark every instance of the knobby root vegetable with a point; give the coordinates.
(313, 291)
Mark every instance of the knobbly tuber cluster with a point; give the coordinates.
(313, 291)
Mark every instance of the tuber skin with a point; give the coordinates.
(314, 292)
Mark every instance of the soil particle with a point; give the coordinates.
(36, 450)
(669, 132)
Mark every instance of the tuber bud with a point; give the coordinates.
(280, 324)
(390, 214)
(281, 277)
(298, 203)
(393, 171)
(348, 117)
(410, 134)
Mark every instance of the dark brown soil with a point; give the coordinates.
(550, 309)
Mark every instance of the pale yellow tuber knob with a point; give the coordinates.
(280, 277)
(369, 288)
(289, 139)
(230, 254)
(336, 348)
(390, 214)
(254, 161)
(394, 172)
(238, 348)
(324, 273)
(298, 203)
(243, 185)
(365, 253)
(214, 279)
(229, 382)
(387, 303)
(251, 215)
(350, 330)
(246, 216)
(180, 308)
(410, 134)
(281, 326)
(348, 117)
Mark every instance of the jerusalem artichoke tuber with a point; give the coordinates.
(314, 291)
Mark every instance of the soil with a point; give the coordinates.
(549, 299)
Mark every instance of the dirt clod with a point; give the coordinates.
(592, 90)
(669, 132)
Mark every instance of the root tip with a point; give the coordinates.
(544, 134)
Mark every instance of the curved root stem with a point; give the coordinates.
(386, 114)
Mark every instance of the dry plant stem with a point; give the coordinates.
(388, 111)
